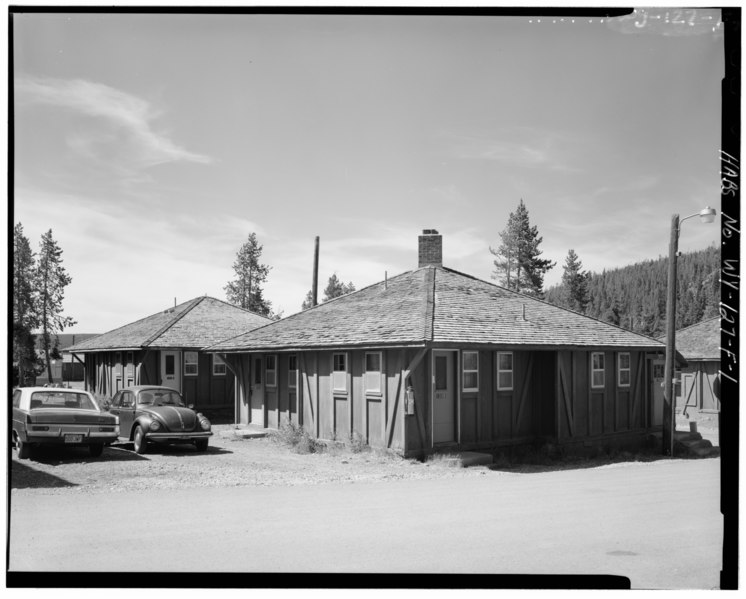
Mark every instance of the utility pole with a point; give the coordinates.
(315, 285)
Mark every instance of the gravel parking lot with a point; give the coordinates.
(232, 461)
(229, 461)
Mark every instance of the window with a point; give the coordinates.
(218, 365)
(170, 365)
(624, 370)
(470, 363)
(118, 363)
(130, 364)
(504, 371)
(258, 371)
(190, 363)
(292, 371)
(270, 366)
(373, 372)
(339, 372)
(598, 371)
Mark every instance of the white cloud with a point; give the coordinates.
(127, 137)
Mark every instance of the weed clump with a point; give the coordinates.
(297, 438)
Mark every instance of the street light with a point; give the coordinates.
(707, 215)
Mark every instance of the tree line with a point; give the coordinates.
(39, 282)
(632, 297)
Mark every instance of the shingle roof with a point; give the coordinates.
(193, 324)
(435, 305)
(700, 341)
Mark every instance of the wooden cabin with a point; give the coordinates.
(435, 359)
(167, 349)
(699, 385)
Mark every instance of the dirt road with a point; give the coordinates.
(657, 523)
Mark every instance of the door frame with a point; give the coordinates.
(254, 358)
(177, 365)
(456, 354)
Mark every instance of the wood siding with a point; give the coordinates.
(584, 411)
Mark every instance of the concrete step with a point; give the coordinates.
(244, 432)
(474, 458)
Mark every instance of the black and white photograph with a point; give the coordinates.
(373, 297)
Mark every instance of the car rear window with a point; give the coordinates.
(60, 399)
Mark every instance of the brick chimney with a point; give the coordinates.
(431, 248)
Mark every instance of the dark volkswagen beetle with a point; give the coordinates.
(149, 413)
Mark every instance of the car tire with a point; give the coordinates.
(140, 441)
(24, 449)
(201, 444)
(96, 449)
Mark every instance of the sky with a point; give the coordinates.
(153, 144)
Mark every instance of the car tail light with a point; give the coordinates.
(106, 429)
(39, 428)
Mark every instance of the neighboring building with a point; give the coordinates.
(434, 358)
(699, 386)
(166, 349)
(65, 370)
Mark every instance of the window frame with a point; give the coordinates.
(627, 370)
(336, 389)
(500, 371)
(293, 378)
(188, 363)
(215, 358)
(601, 370)
(270, 381)
(464, 371)
(379, 372)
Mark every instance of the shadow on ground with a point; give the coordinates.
(184, 449)
(27, 477)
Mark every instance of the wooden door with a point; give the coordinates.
(171, 369)
(444, 397)
(656, 391)
(257, 390)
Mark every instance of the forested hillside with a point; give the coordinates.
(634, 297)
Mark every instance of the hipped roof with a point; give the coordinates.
(700, 341)
(194, 324)
(434, 305)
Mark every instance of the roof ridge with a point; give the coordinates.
(546, 303)
(429, 304)
(172, 322)
(217, 299)
(696, 324)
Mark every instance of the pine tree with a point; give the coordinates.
(51, 280)
(336, 288)
(308, 302)
(518, 265)
(575, 283)
(245, 290)
(25, 317)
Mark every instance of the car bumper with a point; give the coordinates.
(71, 437)
(177, 437)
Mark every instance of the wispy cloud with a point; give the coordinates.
(124, 133)
(517, 147)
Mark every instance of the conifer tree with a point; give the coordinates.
(51, 280)
(336, 288)
(246, 289)
(574, 283)
(24, 307)
(518, 265)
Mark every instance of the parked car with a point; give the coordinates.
(159, 415)
(52, 416)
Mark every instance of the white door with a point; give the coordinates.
(657, 391)
(171, 369)
(444, 397)
(257, 390)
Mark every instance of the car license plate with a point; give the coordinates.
(73, 438)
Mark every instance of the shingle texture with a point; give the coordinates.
(438, 305)
(700, 341)
(194, 324)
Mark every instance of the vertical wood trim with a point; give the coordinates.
(350, 393)
(524, 390)
(316, 377)
(566, 395)
(392, 419)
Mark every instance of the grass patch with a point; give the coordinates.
(297, 438)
